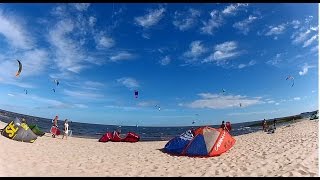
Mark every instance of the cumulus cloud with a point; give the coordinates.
(103, 41)
(150, 19)
(309, 41)
(14, 33)
(165, 61)
(128, 82)
(81, 6)
(276, 60)
(121, 56)
(295, 24)
(186, 20)
(276, 30)
(305, 69)
(297, 98)
(82, 94)
(232, 9)
(243, 26)
(216, 101)
(195, 51)
(251, 63)
(223, 51)
(125, 108)
(214, 22)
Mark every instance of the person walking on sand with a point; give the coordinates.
(66, 129)
(55, 124)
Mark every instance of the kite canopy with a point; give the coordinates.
(56, 82)
(291, 78)
(36, 130)
(19, 131)
(203, 142)
(136, 93)
(20, 69)
(115, 137)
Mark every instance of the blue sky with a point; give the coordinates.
(194, 61)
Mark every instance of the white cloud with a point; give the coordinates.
(276, 30)
(223, 52)
(129, 82)
(92, 21)
(92, 84)
(313, 91)
(302, 35)
(165, 61)
(68, 53)
(250, 113)
(103, 41)
(296, 98)
(295, 24)
(82, 94)
(315, 49)
(81, 6)
(233, 8)
(14, 33)
(305, 69)
(125, 108)
(80, 106)
(121, 56)
(215, 22)
(10, 95)
(150, 19)
(276, 60)
(216, 101)
(309, 41)
(185, 21)
(243, 26)
(196, 50)
(251, 63)
(277, 104)
(147, 103)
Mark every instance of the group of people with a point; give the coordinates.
(66, 127)
(226, 126)
(265, 126)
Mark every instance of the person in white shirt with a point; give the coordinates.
(66, 128)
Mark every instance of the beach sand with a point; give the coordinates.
(290, 151)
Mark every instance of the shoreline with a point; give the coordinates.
(290, 151)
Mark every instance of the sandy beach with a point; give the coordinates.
(290, 151)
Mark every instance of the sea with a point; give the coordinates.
(95, 131)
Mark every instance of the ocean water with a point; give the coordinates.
(95, 131)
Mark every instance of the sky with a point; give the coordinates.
(206, 63)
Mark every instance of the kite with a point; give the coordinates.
(20, 68)
(136, 93)
(291, 78)
(158, 107)
(56, 82)
(26, 91)
(53, 90)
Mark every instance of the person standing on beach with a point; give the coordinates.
(264, 125)
(66, 129)
(223, 126)
(55, 124)
(274, 123)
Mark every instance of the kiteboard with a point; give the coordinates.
(69, 132)
(55, 130)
